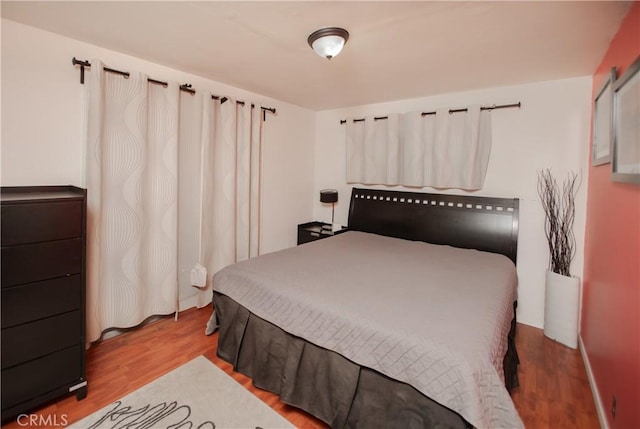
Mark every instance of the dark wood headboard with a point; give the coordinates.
(483, 223)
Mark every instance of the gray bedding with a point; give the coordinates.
(434, 317)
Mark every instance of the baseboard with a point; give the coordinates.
(600, 408)
(196, 300)
(188, 303)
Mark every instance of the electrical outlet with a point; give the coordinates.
(614, 407)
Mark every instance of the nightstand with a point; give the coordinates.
(312, 231)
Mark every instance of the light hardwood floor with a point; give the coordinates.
(553, 393)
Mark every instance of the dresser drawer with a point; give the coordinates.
(36, 339)
(34, 262)
(33, 301)
(37, 377)
(40, 221)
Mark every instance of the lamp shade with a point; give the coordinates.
(328, 42)
(328, 196)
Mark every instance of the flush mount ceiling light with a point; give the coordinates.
(328, 42)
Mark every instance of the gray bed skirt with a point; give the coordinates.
(324, 383)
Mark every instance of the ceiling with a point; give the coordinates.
(396, 49)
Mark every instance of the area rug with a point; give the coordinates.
(197, 395)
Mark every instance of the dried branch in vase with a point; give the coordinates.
(559, 209)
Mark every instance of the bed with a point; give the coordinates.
(405, 320)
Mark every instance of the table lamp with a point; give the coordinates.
(329, 196)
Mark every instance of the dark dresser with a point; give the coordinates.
(43, 295)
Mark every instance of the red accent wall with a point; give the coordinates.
(611, 297)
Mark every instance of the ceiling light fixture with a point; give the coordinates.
(328, 42)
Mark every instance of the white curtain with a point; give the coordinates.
(190, 194)
(373, 150)
(232, 169)
(220, 160)
(442, 150)
(156, 208)
(132, 149)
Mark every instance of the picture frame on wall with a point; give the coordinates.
(626, 139)
(603, 121)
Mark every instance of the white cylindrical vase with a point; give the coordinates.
(561, 307)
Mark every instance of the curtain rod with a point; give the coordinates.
(184, 87)
(501, 106)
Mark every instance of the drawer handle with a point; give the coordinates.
(315, 234)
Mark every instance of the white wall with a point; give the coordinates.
(551, 130)
(42, 124)
(42, 142)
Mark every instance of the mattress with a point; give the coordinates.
(434, 317)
